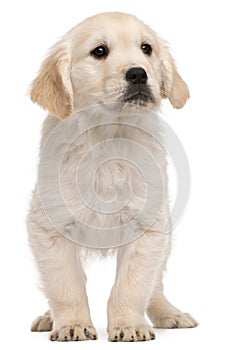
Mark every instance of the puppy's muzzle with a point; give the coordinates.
(138, 90)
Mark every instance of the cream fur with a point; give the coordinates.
(70, 80)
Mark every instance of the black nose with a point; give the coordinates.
(136, 75)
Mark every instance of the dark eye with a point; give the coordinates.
(146, 49)
(100, 52)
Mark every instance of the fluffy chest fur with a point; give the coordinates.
(112, 172)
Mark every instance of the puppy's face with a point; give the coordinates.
(108, 58)
(116, 61)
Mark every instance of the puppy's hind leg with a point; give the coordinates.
(164, 315)
(160, 311)
(42, 323)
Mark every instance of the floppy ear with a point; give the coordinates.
(173, 86)
(52, 89)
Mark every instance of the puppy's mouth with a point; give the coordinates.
(138, 94)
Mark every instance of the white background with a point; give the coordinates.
(198, 270)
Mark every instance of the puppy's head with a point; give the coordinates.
(111, 57)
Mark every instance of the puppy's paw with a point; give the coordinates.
(42, 323)
(74, 332)
(177, 320)
(131, 334)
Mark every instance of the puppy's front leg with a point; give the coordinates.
(64, 284)
(137, 268)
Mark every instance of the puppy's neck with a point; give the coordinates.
(98, 124)
(113, 122)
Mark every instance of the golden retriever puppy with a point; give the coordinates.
(102, 182)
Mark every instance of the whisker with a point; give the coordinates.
(111, 94)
